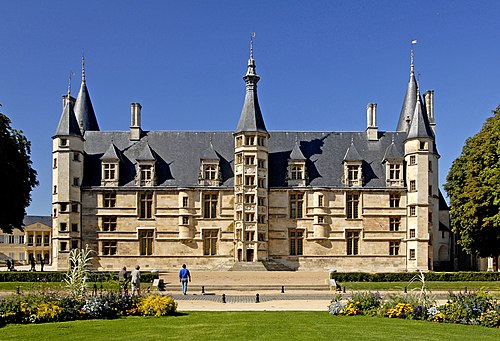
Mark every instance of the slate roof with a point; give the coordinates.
(393, 152)
(33, 219)
(84, 111)
(68, 125)
(296, 153)
(419, 127)
(409, 102)
(178, 155)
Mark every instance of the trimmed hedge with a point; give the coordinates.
(58, 276)
(406, 276)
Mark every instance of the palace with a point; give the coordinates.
(353, 201)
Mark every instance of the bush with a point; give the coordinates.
(490, 318)
(407, 276)
(58, 276)
(156, 305)
(466, 308)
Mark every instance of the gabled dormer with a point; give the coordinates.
(297, 172)
(110, 167)
(145, 167)
(393, 160)
(353, 175)
(210, 174)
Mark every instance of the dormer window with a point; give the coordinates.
(297, 172)
(110, 167)
(297, 175)
(146, 173)
(209, 174)
(353, 174)
(109, 171)
(394, 173)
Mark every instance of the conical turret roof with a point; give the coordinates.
(84, 110)
(409, 102)
(68, 126)
(419, 127)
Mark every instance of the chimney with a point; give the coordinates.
(429, 108)
(371, 120)
(135, 121)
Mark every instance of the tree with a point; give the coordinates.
(473, 185)
(17, 176)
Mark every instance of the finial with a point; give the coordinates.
(252, 35)
(83, 66)
(413, 42)
(71, 73)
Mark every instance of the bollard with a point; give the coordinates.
(223, 298)
(257, 298)
(202, 289)
(282, 289)
(406, 290)
(465, 290)
(343, 289)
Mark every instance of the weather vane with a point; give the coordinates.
(71, 73)
(413, 42)
(252, 35)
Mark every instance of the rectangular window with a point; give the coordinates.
(394, 172)
(394, 199)
(249, 216)
(250, 235)
(321, 219)
(239, 179)
(54, 164)
(261, 141)
(413, 160)
(109, 248)
(262, 182)
(2, 239)
(394, 223)
(296, 173)
(412, 233)
(249, 160)
(74, 244)
(146, 242)
(64, 246)
(352, 175)
(21, 239)
(249, 180)
(239, 141)
(55, 189)
(393, 248)
(430, 166)
(11, 240)
(185, 220)
(76, 181)
(296, 242)
(74, 227)
(63, 207)
(262, 201)
(109, 224)
(76, 157)
(296, 205)
(413, 211)
(261, 163)
(261, 219)
(250, 140)
(109, 171)
(412, 254)
(430, 190)
(352, 206)
(63, 227)
(352, 243)
(210, 238)
(74, 207)
(30, 240)
(320, 200)
(46, 241)
(21, 256)
(146, 205)
(423, 145)
(146, 173)
(109, 199)
(184, 201)
(249, 198)
(413, 186)
(210, 205)
(239, 158)
(64, 142)
(211, 172)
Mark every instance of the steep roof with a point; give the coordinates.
(209, 153)
(352, 153)
(178, 156)
(68, 126)
(251, 117)
(112, 154)
(409, 102)
(392, 152)
(419, 126)
(84, 111)
(296, 153)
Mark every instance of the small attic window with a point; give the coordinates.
(423, 145)
(63, 142)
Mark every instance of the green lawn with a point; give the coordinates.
(248, 326)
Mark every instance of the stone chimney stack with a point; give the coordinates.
(371, 120)
(135, 123)
(429, 107)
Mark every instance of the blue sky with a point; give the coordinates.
(320, 63)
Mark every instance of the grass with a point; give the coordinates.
(248, 326)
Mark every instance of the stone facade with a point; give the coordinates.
(353, 201)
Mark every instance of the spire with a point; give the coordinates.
(410, 98)
(84, 110)
(419, 127)
(251, 116)
(68, 125)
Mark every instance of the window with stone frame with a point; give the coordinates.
(321, 219)
(394, 199)
(109, 199)
(297, 172)
(76, 157)
(296, 238)
(394, 171)
(352, 238)
(249, 160)
(74, 227)
(394, 248)
(249, 180)
(210, 241)
(210, 201)
(320, 200)
(413, 160)
(261, 163)
(109, 247)
(109, 171)
(413, 211)
(210, 172)
(185, 220)
(109, 224)
(75, 244)
(239, 158)
(146, 205)
(146, 238)
(63, 246)
(63, 227)
(146, 173)
(296, 203)
(185, 201)
(413, 185)
(352, 174)
(394, 223)
(412, 233)
(249, 217)
(352, 203)
(412, 254)
(249, 198)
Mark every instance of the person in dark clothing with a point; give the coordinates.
(8, 264)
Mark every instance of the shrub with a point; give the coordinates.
(366, 301)
(336, 307)
(156, 305)
(466, 308)
(490, 318)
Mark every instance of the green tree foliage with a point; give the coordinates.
(473, 185)
(17, 175)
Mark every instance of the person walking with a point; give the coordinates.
(122, 277)
(184, 276)
(135, 280)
